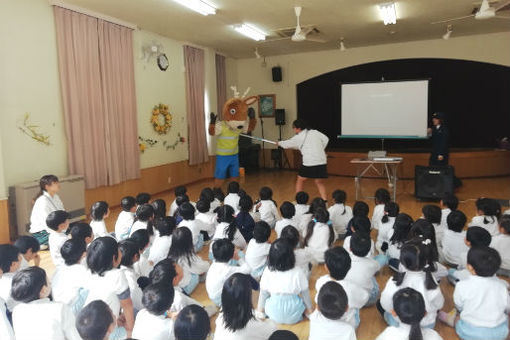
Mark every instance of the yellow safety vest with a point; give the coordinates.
(227, 141)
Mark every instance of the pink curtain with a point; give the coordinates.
(195, 92)
(221, 83)
(97, 83)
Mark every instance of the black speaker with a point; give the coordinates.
(433, 182)
(277, 73)
(279, 116)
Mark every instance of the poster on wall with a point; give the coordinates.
(267, 105)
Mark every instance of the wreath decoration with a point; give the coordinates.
(159, 126)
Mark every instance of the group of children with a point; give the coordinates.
(137, 281)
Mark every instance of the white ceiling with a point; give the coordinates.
(357, 21)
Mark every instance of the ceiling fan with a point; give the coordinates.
(300, 33)
(484, 12)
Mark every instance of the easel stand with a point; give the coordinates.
(283, 156)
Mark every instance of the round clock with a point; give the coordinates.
(163, 62)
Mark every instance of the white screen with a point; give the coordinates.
(385, 109)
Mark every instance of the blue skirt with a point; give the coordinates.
(285, 308)
(467, 331)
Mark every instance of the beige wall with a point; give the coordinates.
(30, 83)
(492, 48)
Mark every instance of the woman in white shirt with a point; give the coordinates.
(409, 307)
(182, 252)
(237, 319)
(98, 212)
(319, 235)
(109, 284)
(36, 317)
(284, 294)
(312, 145)
(45, 202)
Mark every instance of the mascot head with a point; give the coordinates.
(235, 110)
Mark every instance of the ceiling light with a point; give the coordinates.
(342, 46)
(250, 31)
(199, 6)
(388, 13)
(448, 33)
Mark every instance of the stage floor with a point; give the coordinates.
(282, 183)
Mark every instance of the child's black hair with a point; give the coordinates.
(141, 237)
(94, 320)
(226, 214)
(432, 213)
(321, 215)
(478, 237)
(72, 251)
(56, 218)
(261, 232)
(101, 253)
(302, 197)
(413, 256)
(456, 221)
(484, 260)
(159, 207)
(288, 210)
(409, 306)
(192, 323)
(165, 225)
(245, 203)
(203, 206)
(218, 194)
(127, 203)
(360, 224)
(391, 209)
(233, 187)
(266, 193)
(181, 199)
(98, 210)
(382, 196)
(223, 250)
(291, 234)
(143, 198)
(451, 201)
(317, 203)
(360, 208)
(187, 211)
(401, 228)
(145, 213)
(182, 245)
(27, 284)
(491, 209)
(163, 272)
(180, 190)
(360, 244)
(8, 255)
(332, 300)
(339, 196)
(236, 302)
(283, 334)
(158, 298)
(504, 222)
(207, 194)
(80, 231)
(25, 243)
(129, 250)
(424, 229)
(338, 261)
(281, 256)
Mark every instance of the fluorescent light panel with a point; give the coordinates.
(250, 31)
(199, 6)
(388, 13)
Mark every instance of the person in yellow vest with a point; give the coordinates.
(235, 115)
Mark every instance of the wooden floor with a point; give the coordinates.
(282, 183)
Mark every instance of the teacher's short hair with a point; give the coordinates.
(300, 124)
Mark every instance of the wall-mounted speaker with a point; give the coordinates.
(279, 116)
(433, 182)
(277, 73)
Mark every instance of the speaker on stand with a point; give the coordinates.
(433, 182)
(280, 156)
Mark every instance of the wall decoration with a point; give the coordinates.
(161, 119)
(31, 131)
(172, 146)
(146, 143)
(267, 105)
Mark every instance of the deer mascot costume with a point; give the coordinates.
(235, 121)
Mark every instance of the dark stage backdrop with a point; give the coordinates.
(474, 95)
